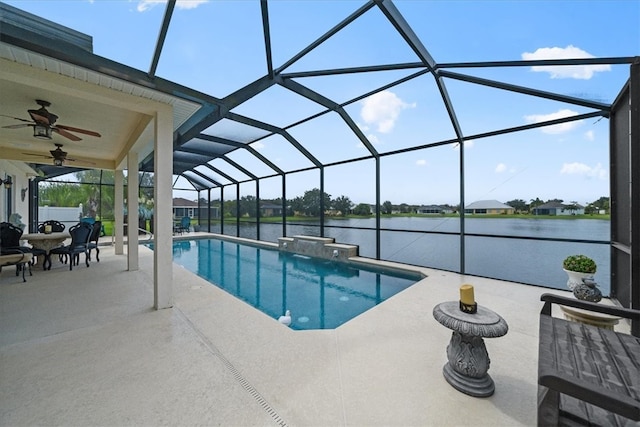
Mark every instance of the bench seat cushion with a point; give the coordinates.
(13, 259)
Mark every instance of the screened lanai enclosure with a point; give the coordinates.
(287, 116)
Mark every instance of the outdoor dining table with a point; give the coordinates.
(46, 242)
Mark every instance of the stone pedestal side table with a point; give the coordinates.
(468, 360)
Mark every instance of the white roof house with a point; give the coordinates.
(432, 209)
(558, 208)
(488, 207)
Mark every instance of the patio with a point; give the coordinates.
(88, 347)
(92, 351)
(131, 112)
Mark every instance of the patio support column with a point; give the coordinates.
(163, 217)
(322, 201)
(118, 211)
(378, 204)
(257, 209)
(222, 210)
(238, 210)
(284, 205)
(208, 210)
(132, 211)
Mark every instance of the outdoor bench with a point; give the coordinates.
(18, 258)
(587, 375)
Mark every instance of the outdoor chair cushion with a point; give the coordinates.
(22, 261)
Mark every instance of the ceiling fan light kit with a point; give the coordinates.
(58, 155)
(41, 131)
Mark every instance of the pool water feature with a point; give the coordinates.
(321, 294)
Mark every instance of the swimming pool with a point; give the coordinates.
(320, 294)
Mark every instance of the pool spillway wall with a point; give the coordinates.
(318, 247)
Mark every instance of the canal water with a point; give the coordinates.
(425, 242)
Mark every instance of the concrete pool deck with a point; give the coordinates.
(86, 348)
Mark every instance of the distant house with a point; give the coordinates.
(183, 207)
(490, 207)
(270, 209)
(558, 208)
(432, 210)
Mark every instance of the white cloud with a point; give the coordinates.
(144, 5)
(589, 135)
(576, 168)
(189, 4)
(582, 72)
(258, 145)
(555, 129)
(382, 110)
(501, 168)
(421, 162)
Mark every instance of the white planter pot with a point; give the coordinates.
(575, 278)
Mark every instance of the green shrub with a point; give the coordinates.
(579, 263)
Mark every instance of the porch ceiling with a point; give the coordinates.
(119, 111)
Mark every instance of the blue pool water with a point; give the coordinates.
(320, 294)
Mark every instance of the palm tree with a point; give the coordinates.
(534, 203)
(97, 199)
(59, 194)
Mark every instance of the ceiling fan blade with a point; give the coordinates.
(16, 118)
(38, 155)
(16, 126)
(66, 134)
(81, 161)
(37, 116)
(78, 130)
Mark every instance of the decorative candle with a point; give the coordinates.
(47, 229)
(466, 295)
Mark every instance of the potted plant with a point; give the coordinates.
(580, 264)
(578, 267)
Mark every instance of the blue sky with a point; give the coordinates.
(217, 47)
